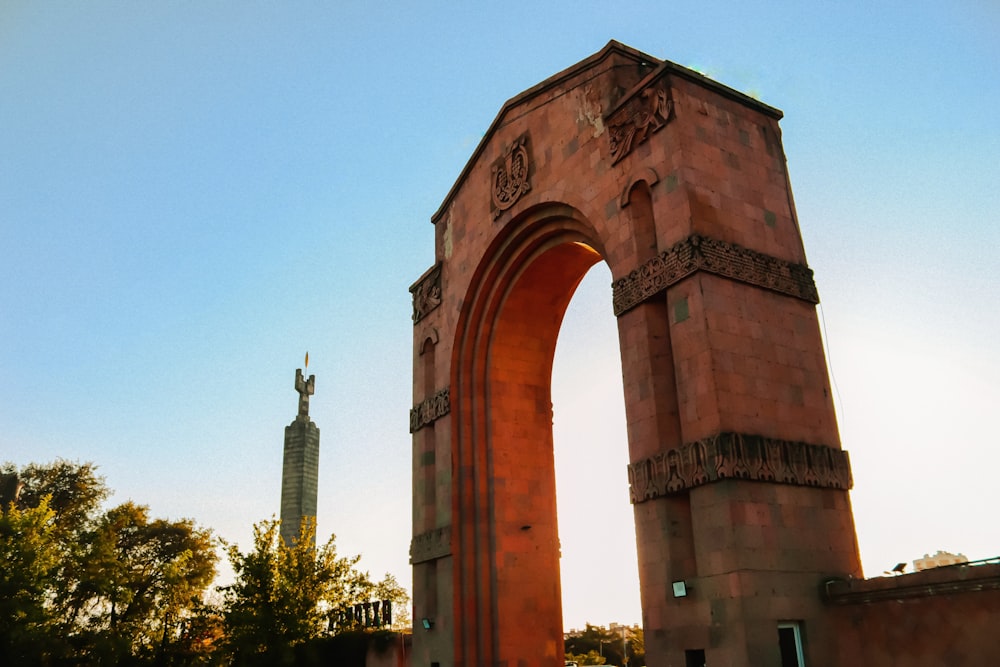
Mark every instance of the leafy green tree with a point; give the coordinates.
(598, 646)
(637, 648)
(141, 577)
(282, 593)
(597, 641)
(30, 558)
(590, 658)
(390, 589)
(101, 587)
(75, 492)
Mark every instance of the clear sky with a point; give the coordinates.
(194, 194)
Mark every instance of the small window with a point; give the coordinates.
(790, 643)
(694, 657)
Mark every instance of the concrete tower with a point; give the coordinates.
(300, 470)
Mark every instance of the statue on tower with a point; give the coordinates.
(300, 463)
(306, 388)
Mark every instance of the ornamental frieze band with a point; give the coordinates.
(430, 410)
(636, 119)
(431, 545)
(426, 293)
(510, 176)
(738, 456)
(699, 253)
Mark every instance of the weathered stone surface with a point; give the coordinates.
(426, 293)
(430, 410)
(738, 456)
(430, 545)
(725, 259)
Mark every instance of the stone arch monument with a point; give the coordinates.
(738, 481)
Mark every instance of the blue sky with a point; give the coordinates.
(194, 194)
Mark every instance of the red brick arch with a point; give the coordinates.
(738, 482)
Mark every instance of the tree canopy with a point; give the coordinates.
(101, 587)
(81, 584)
(284, 593)
(30, 558)
(599, 646)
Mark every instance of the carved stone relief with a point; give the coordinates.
(634, 120)
(430, 410)
(510, 176)
(431, 545)
(738, 456)
(699, 253)
(426, 293)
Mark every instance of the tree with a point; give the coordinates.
(100, 587)
(198, 638)
(282, 592)
(591, 657)
(637, 648)
(141, 577)
(390, 589)
(30, 558)
(598, 646)
(75, 492)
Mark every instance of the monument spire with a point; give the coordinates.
(300, 469)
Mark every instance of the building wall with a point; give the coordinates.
(945, 617)
(397, 654)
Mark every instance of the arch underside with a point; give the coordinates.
(506, 511)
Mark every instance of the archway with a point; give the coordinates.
(737, 479)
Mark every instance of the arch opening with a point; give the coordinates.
(525, 535)
(598, 567)
(505, 512)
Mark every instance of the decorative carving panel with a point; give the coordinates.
(699, 253)
(738, 456)
(431, 545)
(426, 293)
(430, 410)
(510, 176)
(638, 117)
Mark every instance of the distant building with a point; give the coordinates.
(940, 559)
(615, 628)
(620, 628)
(300, 469)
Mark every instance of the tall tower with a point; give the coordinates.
(300, 470)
